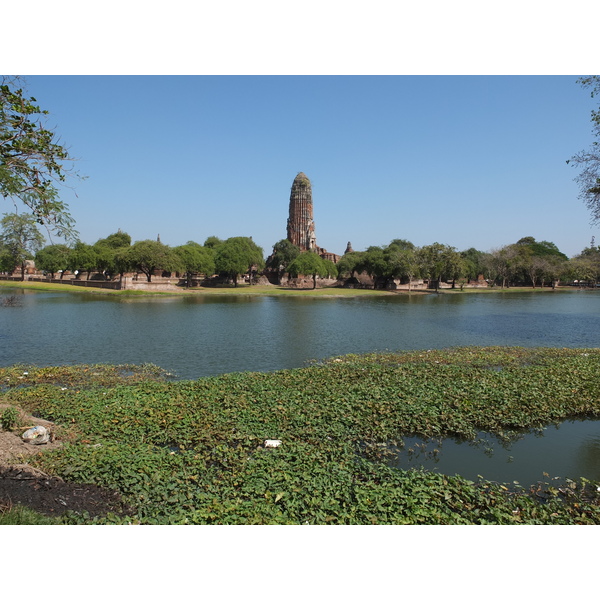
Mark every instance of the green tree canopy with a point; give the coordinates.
(542, 248)
(311, 264)
(474, 262)
(121, 261)
(115, 240)
(350, 264)
(53, 258)
(32, 161)
(148, 255)
(438, 262)
(374, 262)
(195, 259)
(20, 238)
(284, 252)
(107, 248)
(212, 241)
(403, 260)
(238, 255)
(83, 258)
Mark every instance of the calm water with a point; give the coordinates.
(568, 449)
(198, 336)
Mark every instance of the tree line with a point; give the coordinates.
(526, 262)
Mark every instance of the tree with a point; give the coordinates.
(438, 262)
(122, 262)
(32, 161)
(149, 255)
(310, 263)
(374, 262)
(537, 260)
(542, 248)
(588, 179)
(115, 240)
(21, 239)
(7, 262)
(83, 258)
(403, 262)
(501, 264)
(237, 255)
(195, 259)
(106, 249)
(284, 252)
(53, 258)
(585, 266)
(473, 263)
(350, 264)
(212, 241)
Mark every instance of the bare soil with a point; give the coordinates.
(23, 484)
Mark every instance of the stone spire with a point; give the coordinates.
(300, 224)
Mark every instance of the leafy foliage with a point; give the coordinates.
(284, 253)
(195, 258)
(32, 161)
(20, 238)
(193, 451)
(238, 255)
(9, 418)
(83, 258)
(311, 264)
(149, 255)
(53, 258)
(589, 160)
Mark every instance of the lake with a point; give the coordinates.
(195, 336)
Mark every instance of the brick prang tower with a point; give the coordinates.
(300, 224)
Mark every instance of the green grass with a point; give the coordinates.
(255, 290)
(21, 515)
(266, 290)
(193, 451)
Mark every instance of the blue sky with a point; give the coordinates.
(470, 161)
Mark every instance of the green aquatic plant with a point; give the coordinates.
(194, 451)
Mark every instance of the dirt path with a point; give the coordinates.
(21, 483)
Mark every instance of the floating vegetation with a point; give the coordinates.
(337, 421)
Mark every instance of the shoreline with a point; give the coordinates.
(271, 290)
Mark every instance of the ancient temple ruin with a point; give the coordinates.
(300, 223)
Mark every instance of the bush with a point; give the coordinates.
(9, 418)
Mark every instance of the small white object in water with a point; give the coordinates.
(272, 443)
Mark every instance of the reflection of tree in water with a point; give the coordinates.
(588, 457)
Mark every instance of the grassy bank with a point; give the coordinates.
(257, 290)
(267, 290)
(194, 451)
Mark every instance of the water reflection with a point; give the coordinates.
(560, 450)
(197, 335)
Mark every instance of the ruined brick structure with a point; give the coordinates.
(300, 224)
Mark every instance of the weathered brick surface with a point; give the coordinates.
(300, 224)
